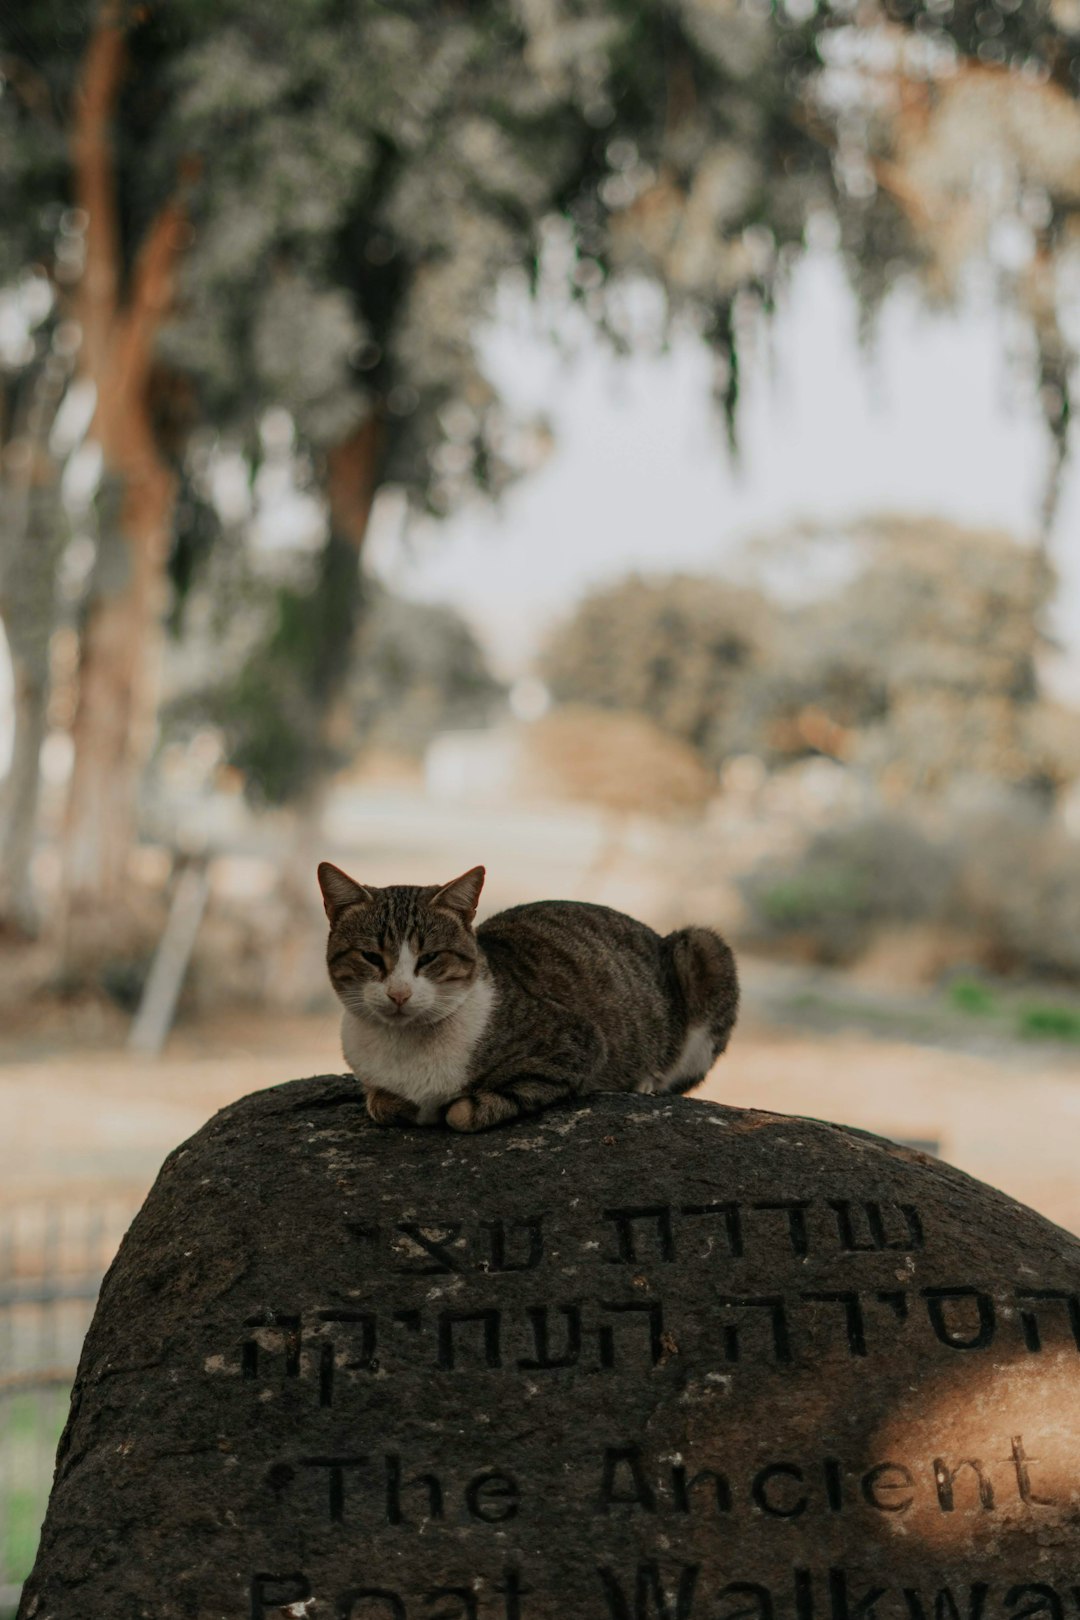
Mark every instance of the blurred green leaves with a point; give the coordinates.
(850, 882)
(272, 711)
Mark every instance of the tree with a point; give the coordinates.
(341, 234)
(956, 130)
(923, 669)
(34, 527)
(266, 225)
(676, 649)
(109, 268)
(124, 295)
(389, 219)
(919, 671)
(40, 253)
(419, 670)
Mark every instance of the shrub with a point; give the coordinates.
(1007, 885)
(972, 996)
(847, 883)
(1021, 890)
(1047, 1022)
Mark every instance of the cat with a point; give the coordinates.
(543, 1002)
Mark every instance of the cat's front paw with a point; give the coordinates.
(480, 1110)
(386, 1108)
(462, 1115)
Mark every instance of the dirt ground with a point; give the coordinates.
(75, 1126)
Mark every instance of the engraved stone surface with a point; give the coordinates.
(650, 1360)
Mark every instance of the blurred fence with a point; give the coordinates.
(53, 1255)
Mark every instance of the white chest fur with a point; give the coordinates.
(427, 1064)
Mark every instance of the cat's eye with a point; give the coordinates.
(427, 958)
(374, 958)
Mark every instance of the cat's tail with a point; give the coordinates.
(704, 969)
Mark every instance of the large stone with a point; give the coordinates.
(650, 1360)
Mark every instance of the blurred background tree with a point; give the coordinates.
(100, 258)
(678, 650)
(418, 670)
(922, 669)
(341, 236)
(225, 217)
(917, 672)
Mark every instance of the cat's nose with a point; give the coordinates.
(399, 995)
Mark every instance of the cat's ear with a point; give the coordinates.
(462, 894)
(339, 890)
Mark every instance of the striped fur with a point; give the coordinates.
(444, 1023)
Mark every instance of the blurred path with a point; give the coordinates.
(108, 1119)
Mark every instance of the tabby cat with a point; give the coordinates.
(444, 1023)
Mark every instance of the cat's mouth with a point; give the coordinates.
(396, 1014)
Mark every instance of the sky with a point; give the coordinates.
(940, 418)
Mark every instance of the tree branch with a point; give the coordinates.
(151, 295)
(95, 183)
(352, 479)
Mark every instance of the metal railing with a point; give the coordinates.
(53, 1255)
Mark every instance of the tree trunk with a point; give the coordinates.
(19, 913)
(297, 973)
(121, 632)
(34, 531)
(29, 607)
(352, 479)
(114, 718)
